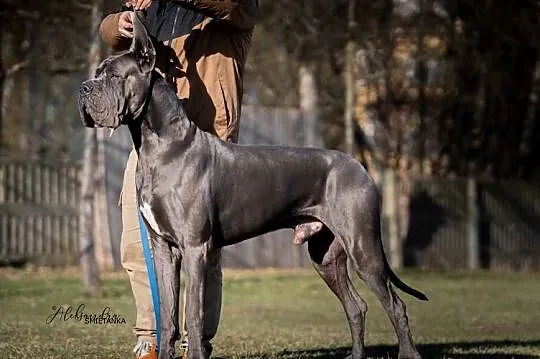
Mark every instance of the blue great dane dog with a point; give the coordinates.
(198, 194)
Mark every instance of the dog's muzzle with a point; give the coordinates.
(84, 91)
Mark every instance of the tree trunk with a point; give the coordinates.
(390, 212)
(421, 166)
(530, 143)
(101, 209)
(104, 252)
(309, 106)
(349, 81)
(2, 80)
(89, 268)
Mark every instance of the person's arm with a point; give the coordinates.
(110, 31)
(240, 13)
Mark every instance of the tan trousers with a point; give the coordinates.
(132, 259)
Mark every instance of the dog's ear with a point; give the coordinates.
(142, 46)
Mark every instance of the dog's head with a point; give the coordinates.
(121, 84)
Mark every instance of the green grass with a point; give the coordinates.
(284, 314)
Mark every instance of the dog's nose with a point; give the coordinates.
(85, 89)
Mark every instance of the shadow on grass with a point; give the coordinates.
(473, 350)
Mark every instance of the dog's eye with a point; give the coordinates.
(115, 76)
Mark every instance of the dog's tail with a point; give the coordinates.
(404, 287)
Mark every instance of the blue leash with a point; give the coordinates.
(151, 273)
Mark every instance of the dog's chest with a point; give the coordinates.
(146, 211)
(144, 195)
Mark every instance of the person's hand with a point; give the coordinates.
(125, 24)
(140, 4)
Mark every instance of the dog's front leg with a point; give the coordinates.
(167, 262)
(196, 262)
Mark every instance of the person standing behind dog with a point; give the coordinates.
(205, 43)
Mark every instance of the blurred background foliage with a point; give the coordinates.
(438, 98)
(441, 87)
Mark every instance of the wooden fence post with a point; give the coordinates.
(473, 238)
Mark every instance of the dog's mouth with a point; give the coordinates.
(87, 119)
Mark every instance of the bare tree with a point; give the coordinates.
(350, 79)
(89, 267)
(2, 79)
(309, 106)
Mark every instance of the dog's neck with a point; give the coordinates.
(163, 117)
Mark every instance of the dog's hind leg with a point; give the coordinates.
(379, 282)
(330, 261)
(367, 256)
(167, 261)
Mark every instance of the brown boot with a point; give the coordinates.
(146, 348)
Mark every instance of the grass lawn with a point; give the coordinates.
(283, 314)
